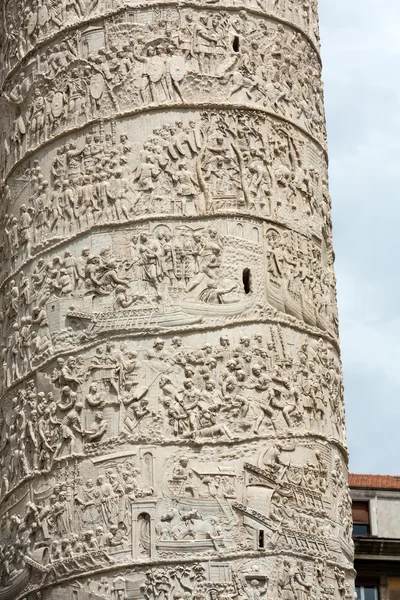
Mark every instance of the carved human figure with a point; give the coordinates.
(70, 429)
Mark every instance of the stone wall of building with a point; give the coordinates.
(381, 505)
(172, 418)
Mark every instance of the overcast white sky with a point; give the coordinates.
(361, 54)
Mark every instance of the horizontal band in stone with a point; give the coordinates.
(101, 291)
(80, 80)
(281, 177)
(128, 392)
(23, 54)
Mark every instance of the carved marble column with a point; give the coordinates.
(171, 413)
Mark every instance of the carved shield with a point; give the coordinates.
(114, 188)
(155, 68)
(97, 86)
(43, 16)
(32, 22)
(57, 105)
(177, 68)
(21, 125)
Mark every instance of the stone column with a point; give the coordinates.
(172, 418)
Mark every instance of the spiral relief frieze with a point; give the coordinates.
(172, 417)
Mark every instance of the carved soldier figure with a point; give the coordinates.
(25, 234)
(70, 426)
(37, 118)
(286, 585)
(94, 398)
(152, 75)
(18, 135)
(203, 43)
(116, 192)
(186, 185)
(97, 429)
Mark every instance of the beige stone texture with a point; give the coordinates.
(172, 423)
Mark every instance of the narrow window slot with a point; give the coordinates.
(247, 281)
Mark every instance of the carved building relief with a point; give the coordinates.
(172, 422)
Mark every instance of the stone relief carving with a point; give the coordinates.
(163, 57)
(207, 580)
(201, 506)
(188, 167)
(26, 26)
(237, 389)
(172, 421)
(159, 277)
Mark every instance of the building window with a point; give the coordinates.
(220, 573)
(256, 235)
(261, 540)
(247, 281)
(361, 522)
(367, 592)
(236, 44)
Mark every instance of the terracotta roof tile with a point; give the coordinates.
(382, 482)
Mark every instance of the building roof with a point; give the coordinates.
(381, 482)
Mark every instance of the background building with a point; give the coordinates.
(376, 532)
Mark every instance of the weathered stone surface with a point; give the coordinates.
(172, 419)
